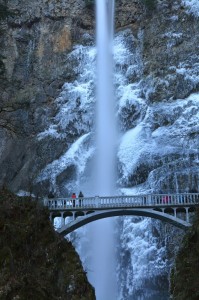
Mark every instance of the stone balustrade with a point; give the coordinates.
(150, 200)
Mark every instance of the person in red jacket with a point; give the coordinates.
(165, 199)
(73, 197)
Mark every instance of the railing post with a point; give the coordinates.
(187, 214)
(97, 202)
(177, 199)
(149, 197)
(143, 201)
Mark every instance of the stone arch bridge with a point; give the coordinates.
(176, 209)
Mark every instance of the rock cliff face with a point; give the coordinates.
(36, 41)
(35, 263)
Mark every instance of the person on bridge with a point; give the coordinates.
(51, 195)
(73, 197)
(80, 196)
(165, 199)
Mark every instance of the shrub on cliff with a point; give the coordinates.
(90, 3)
(4, 13)
(2, 66)
(185, 275)
(35, 262)
(150, 4)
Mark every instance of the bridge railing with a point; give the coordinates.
(123, 201)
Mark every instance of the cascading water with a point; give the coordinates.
(94, 242)
(103, 242)
(105, 111)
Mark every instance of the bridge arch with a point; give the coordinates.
(79, 222)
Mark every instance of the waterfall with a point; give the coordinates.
(137, 264)
(105, 111)
(103, 241)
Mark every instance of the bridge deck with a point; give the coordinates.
(85, 210)
(118, 202)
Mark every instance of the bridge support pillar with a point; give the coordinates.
(175, 212)
(73, 216)
(62, 219)
(187, 214)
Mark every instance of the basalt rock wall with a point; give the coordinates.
(36, 41)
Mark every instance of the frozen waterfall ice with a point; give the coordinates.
(140, 274)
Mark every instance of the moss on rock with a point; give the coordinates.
(35, 262)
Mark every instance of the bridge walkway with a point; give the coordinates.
(166, 207)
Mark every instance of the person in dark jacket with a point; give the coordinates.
(73, 197)
(80, 196)
(51, 195)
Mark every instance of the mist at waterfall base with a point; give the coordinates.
(103, 240)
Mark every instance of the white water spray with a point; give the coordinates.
(104, 276)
